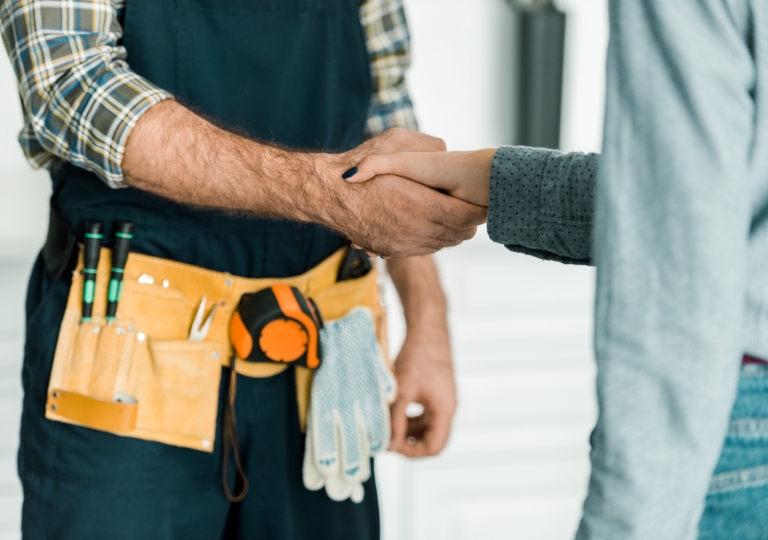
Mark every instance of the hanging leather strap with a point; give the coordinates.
(230, 442)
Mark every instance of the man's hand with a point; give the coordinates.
(392, 216)
(424, 368)
(424, 373)
(177, 154)
(465, 175)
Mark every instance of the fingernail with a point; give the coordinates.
(350, 173)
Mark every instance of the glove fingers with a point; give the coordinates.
(358, 492)
(381, 385)
(311, 476)
(339, 485)
(378, 423)
(380, 431)
(329, 462)
(350, 413)
(365, 459)
(325, 391)
(337, 489)
(351, 445)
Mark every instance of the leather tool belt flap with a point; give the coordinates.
(141, 377)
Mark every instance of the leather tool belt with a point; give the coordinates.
(139, 376)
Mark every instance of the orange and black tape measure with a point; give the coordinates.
(277, 324)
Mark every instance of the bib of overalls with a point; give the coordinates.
(291, 72)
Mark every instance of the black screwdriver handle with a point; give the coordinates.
(121, 246)
(91, 252)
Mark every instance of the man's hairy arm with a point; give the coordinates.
(424, 368)
(179, 155)
(174, 153)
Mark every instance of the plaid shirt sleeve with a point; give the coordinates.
(389, 49)
(80, 99)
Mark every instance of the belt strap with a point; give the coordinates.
(60, 249)
(93, 413)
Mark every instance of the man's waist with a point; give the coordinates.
(161, 296)
(243, 246)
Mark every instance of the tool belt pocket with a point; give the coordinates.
(178, 391)
(90, 373)
(114, 377)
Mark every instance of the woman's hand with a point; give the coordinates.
(464, 175)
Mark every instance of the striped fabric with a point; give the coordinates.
(80, 98)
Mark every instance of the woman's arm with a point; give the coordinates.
(540, 201)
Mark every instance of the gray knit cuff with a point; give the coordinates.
(514, 206)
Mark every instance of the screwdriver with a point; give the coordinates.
(120, 248)
(91, 253)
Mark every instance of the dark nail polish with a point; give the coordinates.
(350, 173)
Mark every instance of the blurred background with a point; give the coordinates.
(484, 75)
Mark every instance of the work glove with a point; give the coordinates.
(348, 418)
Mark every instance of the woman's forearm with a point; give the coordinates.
(541, 202)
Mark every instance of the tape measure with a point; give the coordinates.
(277, 324)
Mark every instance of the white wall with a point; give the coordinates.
(462, 79)
(584, 84)
(464, 58)
(23, 192)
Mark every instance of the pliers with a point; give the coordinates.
(199, 329)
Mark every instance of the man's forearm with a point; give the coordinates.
(418, 285)
(423, 367)
(177, 154)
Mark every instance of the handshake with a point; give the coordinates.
(406, 196)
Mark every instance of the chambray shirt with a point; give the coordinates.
(80, 98)
(680, 245)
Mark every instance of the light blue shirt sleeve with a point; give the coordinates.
(672, 225)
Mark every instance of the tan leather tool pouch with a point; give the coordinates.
(116, 377)
(139, 376)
